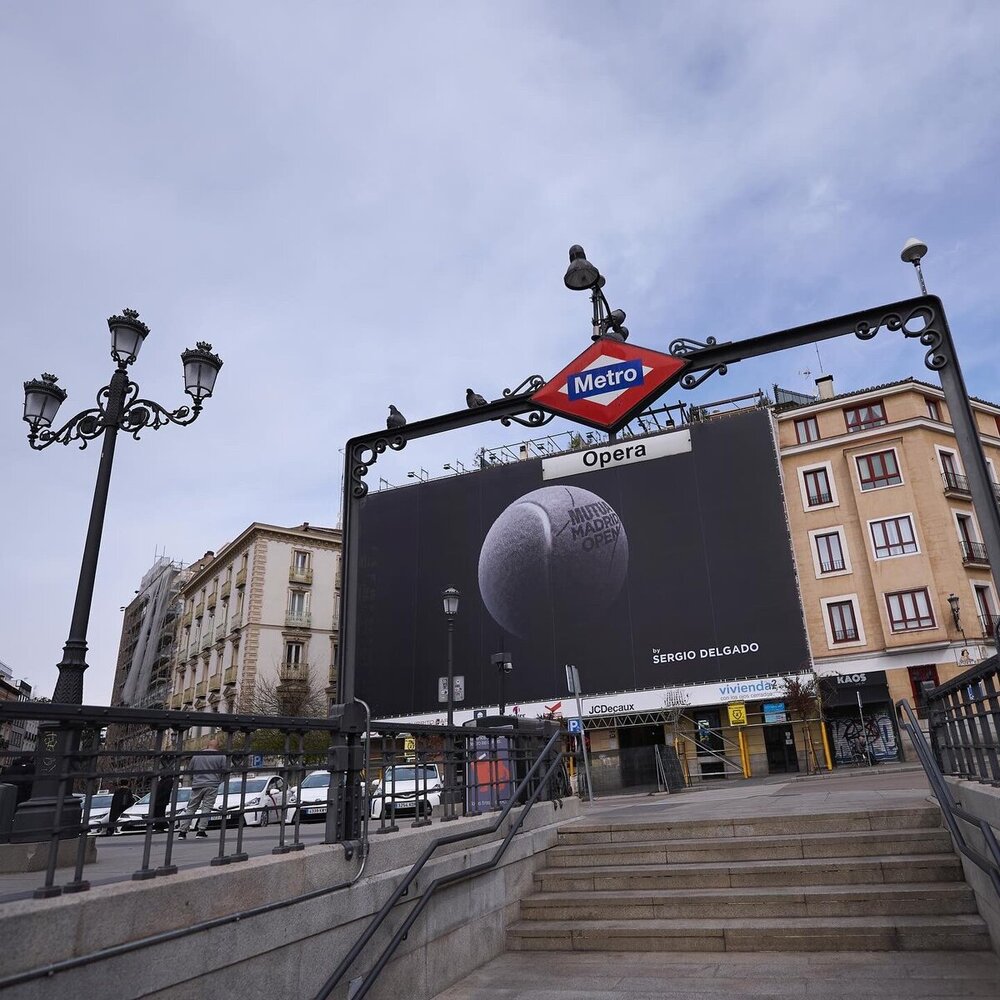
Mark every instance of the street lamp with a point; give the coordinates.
(582, 276)
(119, 407)
(450, 599)
(504, 665)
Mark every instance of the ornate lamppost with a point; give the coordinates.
(450, 600)
(119, 408)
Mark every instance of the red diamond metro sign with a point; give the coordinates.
(609, 384)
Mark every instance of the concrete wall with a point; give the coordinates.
(984, 801)
(288, 953)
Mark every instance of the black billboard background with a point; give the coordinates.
(710, 565)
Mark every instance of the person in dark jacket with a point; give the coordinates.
(120, 801)
(207, 769)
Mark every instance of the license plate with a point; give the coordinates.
(314, 810)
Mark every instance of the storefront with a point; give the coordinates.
(860, 720)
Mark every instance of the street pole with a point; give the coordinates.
(864, 735)
(573, 678)
(451, 670)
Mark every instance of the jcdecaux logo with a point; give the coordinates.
(609, 378)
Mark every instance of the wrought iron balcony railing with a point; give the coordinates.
(298, 619)
(955, 485)
(974, 554)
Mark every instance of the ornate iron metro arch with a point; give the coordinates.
(921, 318)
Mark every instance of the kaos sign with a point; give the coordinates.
(609, 384)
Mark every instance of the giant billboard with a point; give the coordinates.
(647, 563)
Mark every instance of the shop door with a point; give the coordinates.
(782, 757)
(708, 739)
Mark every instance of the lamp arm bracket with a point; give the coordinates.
(144, 414)
(84, 427)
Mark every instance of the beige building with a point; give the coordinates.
(892, 571)
(261, 613)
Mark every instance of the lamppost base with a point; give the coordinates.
(35, 820)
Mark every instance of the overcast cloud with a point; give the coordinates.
(371, 203)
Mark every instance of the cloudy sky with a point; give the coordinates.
(360, 204)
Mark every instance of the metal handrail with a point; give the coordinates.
(949, 807)
(327, 988)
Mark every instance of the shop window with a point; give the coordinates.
(878, 470)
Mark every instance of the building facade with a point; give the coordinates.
(259, 618)
(16, 735)
(895, 582)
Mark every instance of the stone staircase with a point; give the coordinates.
(876, 880)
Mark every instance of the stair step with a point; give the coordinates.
(791, 901)
(959, 932)
(924, 817)
(807, 845)
(721, 875)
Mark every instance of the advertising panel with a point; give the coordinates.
(647, 563)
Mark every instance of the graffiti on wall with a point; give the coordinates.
(878, 732)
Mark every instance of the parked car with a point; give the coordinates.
(407, 788)
(100, 812)
(310, 801)
(261, 800)
(134, 818)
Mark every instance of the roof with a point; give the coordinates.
(909, 381)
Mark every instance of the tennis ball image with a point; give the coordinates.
(558, 554)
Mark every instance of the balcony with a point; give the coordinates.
(201, 689)
(206, 639)
(298, 619)
(289, 669)
(220, 632)
(845, 635)
(235, 624)
(974, 554)
(225, 589)
(832, 565)
(300, 575)
(176, 701)
(199, 610)
(230, 675)
(186, 619)
(188, 696)
(215, 682)
(955, 485)
(213, 599)
(241, 578)
(817, 499)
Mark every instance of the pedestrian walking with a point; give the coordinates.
(120, 801)
(207, 770)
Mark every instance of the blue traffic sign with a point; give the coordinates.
(574, 725)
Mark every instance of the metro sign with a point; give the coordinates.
(609, 384)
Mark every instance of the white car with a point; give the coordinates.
(100, 811)
(134, 819)
(407, 788)
(261, 800)
(310, 800)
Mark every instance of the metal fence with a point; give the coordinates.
(352, 774)
(964, 723)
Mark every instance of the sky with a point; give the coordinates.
(364, 204)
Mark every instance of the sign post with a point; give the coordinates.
(573, 683)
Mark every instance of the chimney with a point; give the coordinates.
(824, 386)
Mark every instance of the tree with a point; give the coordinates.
(294, 695)
(802, 700)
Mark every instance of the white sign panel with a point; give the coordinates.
(615, 453)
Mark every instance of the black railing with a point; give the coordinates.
(951, 810)
(974, 554)
(988, 625)
(831, 565)
(815, 499)
(845, 635)
(954, 483)
(546, 775)
(275, 775)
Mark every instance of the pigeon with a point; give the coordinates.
(395, 418)
(473, 399)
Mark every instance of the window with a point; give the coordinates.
(893, 537)
(987, 616)
(817, 484)
(293, 654)
(864, 417)
(300, 561)
(933, 410)
(843, 623)
(878, 470)
(948, 465)
(908, 610)
(917, 677)
(806, 430)
(830, 552)
(298, 602)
